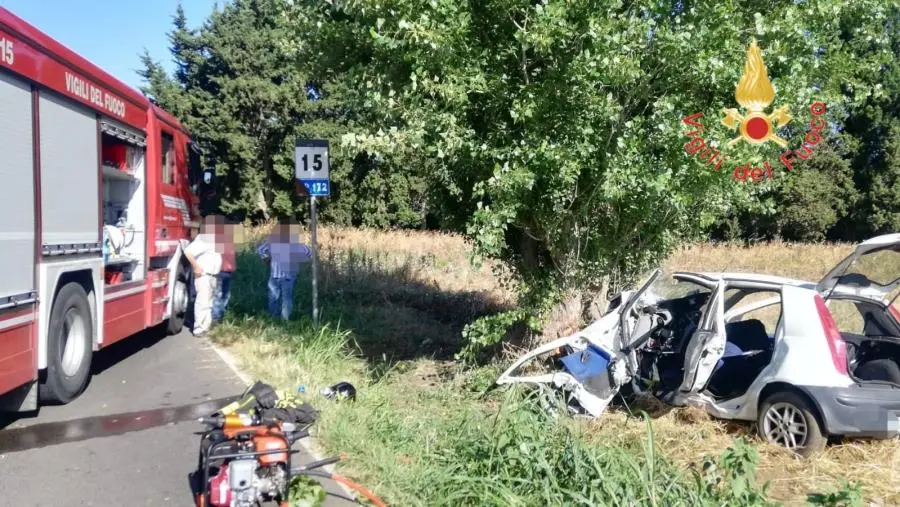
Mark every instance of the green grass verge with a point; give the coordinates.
(422, 433)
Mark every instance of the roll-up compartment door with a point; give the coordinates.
(16, 191)
(70, 200)
(122, 132)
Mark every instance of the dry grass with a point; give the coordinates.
(439, 262)
(801, 261)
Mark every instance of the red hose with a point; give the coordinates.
(359, 488)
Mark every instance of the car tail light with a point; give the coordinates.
(836, 343)
(894, 311)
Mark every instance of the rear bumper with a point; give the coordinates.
(861, 410)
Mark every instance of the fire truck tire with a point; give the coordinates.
(69, 346)
(176, 320)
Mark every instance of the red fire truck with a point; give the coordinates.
(98, 188)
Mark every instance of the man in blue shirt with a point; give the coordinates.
(284, 255)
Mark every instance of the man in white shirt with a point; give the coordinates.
(284, 255)
(206, 263)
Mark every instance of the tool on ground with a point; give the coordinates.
(258, 395)
(245, 455)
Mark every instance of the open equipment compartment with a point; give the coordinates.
(124, 219)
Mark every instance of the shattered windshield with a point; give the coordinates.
(667, 287)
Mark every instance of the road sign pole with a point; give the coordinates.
(311, 170)
(315, 260)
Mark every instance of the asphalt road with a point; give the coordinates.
(130, 438)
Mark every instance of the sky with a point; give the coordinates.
(111, 34)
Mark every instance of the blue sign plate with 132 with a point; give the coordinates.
(318, 188)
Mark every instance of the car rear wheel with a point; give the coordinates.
(787, 419)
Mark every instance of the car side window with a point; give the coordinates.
(745, 306)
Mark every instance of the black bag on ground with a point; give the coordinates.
(302, 414)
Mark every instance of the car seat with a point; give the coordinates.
(748, 349)
(748, 335)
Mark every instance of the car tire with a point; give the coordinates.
(176, 319)
(784, 416)
(70, 344)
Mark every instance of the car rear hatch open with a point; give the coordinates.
(872, 271)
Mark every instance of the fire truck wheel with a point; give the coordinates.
(69, 346)
(180, 301)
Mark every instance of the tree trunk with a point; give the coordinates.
(565, 318)
(575, 310)
(261, 204)
(598, 302)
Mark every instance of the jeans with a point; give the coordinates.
(281, 289)
(223, 294)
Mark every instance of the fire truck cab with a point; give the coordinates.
(98, 190)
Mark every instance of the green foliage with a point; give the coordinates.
(239, 89)
(306, 492)
(455, 452)
(849, 495)
(736, 472)
(813, 200)
(802, 206)
(386, 197)
(551, 131)
(485, 332)
(875, 127)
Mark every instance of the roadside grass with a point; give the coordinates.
(423, 433)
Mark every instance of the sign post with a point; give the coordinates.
(311, 168)
(315, 259)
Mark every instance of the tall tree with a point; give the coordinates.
(240, 89)
(875, 124)
(553, 131)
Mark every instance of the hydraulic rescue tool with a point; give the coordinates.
(245, 455)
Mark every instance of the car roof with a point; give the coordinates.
(751, 277)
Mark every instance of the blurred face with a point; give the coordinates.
(209, 225)
(287, 231)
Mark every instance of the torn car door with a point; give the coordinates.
(596, 361)
(592, 376)
(707, 345)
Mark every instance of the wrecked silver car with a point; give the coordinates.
(749, 347)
